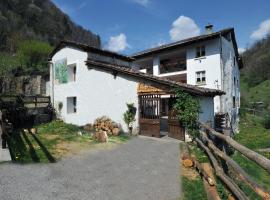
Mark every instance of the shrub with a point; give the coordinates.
(129, 116)
(187, 108)
(266, 121)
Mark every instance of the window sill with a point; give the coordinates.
(200, 58)
(200, 84)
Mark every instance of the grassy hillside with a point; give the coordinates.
(255, 76)
(257, 93)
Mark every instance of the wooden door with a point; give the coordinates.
(175, 129)
(149, 115)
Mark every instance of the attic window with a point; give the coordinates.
(200, 51)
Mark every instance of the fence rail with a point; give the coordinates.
(206, 143)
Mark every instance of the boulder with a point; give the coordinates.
(115, 131)
(101, 136)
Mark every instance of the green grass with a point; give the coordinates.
(254, 136)
(193, 189)
(53, 141)
(257, 93)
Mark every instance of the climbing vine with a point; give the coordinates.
(187, 110)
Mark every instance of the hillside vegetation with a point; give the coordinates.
(39, 20)
(28, 32)
(255, 76)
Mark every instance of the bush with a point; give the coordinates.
(129, 116)
(266, 121)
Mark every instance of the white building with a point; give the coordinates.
(87, 83)
(210, 60)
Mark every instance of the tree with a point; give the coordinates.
(187, 110)
(33, 55)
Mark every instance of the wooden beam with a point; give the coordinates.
(236, 191)
(212, 193)
(260, 190)
(252, 155)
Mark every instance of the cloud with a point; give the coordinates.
(241, 50)
(144, 3)
(82, 5)
(184, 27)
(262, 31)
(117, 43)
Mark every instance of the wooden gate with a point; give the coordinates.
(149, 115)
(175, 129)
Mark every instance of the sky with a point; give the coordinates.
(129, 26)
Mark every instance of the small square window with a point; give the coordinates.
(200, 77)
(71, 104)
(200, 51)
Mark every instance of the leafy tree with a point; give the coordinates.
(187, 110)
(7, 63)
(33, 54)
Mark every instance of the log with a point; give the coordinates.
(236, 191)
(260, 190)
(252, 155)
(186, 159)
(212, 193)
(201, 171)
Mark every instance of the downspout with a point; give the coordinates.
(52, 82)
(221, 69)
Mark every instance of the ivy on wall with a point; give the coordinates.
(187, 110)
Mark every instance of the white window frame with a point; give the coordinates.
(200, 75)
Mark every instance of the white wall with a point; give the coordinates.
(207, 110)
(229, 72)
(210, 63)
(98, 93)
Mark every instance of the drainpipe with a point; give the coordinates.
(52, 82)
(221, 69)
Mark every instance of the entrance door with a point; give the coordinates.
(149, 115)
(175, 129)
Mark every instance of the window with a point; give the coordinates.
(200, 77)
(234, 102)
(72, 69)
(71, 104)
(200, 51)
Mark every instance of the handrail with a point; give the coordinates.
(252, 155)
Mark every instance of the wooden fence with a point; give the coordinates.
(207, 144)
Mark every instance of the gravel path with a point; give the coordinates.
(143, 169)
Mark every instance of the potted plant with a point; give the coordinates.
(129, 116)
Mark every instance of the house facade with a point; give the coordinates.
(87, 83)
(210, 60)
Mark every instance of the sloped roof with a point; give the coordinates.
(153, 79)
(189, 41)
(87, 48)
(184, 42)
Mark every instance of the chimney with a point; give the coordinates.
(209, 29)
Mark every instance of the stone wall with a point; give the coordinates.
(28, 85)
